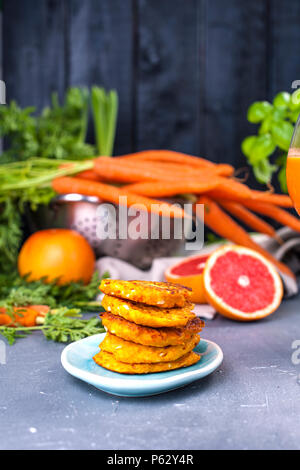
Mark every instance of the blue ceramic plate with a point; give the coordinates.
(77, 359)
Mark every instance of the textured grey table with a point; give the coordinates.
(252, 401)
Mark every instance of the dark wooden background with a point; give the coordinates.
(185, 70)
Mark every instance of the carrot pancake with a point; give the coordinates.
(162, 294)
(108, 361)
(146, 315)
(158, 337)
(126, 351)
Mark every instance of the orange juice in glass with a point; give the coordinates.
(293, 168)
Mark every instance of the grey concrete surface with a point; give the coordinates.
(251, 402)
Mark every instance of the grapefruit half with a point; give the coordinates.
(241, 284)
(189, 273)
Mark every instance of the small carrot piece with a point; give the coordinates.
(274, 212)
(25, 316)
(41, 309)
(248, 218)
(110, 193)
(166, 188)
(223, 225)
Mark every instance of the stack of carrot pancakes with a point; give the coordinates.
(150, 327)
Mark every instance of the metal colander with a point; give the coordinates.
(84, 214)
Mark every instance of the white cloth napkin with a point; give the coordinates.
(119, 269)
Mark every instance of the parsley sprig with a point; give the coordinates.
(61, 325)
(64, 322)
(17, 291)
(59, 131)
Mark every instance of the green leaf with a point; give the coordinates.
(282, 132)
(112, 112)
(263, 171)
(65, 324)
(294, 103)
(10, 234)
(11, 333)
(282, 100)
(99, 116)
(265, 126)
(282, 180)
(281, 162)
(105, 111)
(261, 149)
(247, 145)
(275, 131)
(17, 291)
(258, 111)
(279, 114)
(293, 115)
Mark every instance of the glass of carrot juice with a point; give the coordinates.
(293, 168)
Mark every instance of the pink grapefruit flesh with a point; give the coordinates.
(242, 284)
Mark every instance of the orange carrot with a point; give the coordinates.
(278, 199)
(89, 175)
(187, 170)
(169, 168)
(274, 212)
(223, 225)
(230, 189)
(165, 188)
(106, 192)
(112, 169)
(180, 158)
(230, 193)
(169, 156)
(248, 218)
(184, 170)
(223, 169)
(126, 171)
